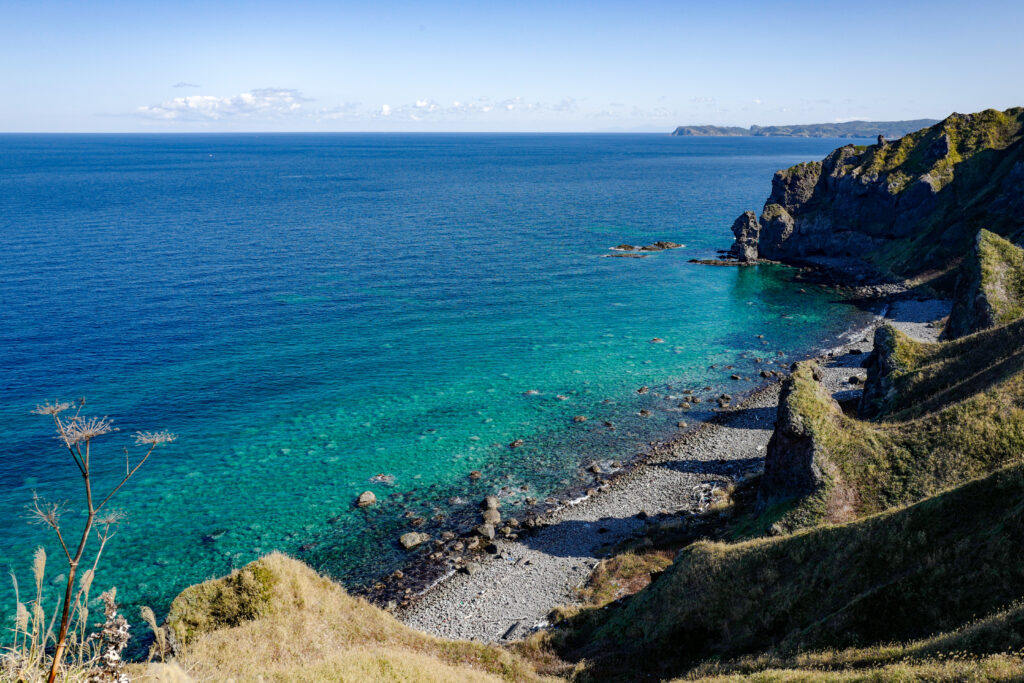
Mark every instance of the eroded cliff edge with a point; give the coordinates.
(896, 208)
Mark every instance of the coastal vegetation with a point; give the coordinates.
(36, 646)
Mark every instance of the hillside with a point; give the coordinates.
(904, 575)
(278, 620)
(899, 208)
(848, 129)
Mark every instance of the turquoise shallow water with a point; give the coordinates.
(309, 311)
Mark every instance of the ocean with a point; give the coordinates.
(319, 315)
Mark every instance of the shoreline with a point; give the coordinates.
(446, 552)
(509, 592)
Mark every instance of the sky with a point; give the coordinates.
(295, 65)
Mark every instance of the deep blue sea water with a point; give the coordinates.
(309, 311)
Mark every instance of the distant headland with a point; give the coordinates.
(848, 129)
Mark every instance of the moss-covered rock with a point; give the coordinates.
(990, 290)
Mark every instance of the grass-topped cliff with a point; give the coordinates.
(905, 206)
(991, 291)
(278, 620)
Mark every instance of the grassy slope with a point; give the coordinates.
(278, 620)
(875, 466)
(902, 574)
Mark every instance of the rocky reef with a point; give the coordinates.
(898, 207)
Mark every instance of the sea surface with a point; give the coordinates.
(308, 312)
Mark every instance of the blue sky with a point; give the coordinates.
(498, 66)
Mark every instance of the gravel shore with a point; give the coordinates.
(508, 594)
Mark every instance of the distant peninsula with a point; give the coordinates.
(849, 129)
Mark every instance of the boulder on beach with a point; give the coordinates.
(485, 530)
(412, 539)
(490, 503)
(491, 516)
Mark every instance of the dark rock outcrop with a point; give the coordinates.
(793, 466)
(902, 206)
(746, 229)
(883, 367)
(990, 287)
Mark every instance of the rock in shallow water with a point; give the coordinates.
(412, 539)
(366, 498)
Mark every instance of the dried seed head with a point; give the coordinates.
(51, 408)
(111, 518)
(21, 619)
(154, 438)
(85, 583)
(81, 429)
(39, 566)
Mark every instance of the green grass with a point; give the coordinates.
(871, 467)
(903, 574)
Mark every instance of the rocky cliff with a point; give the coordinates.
(990, 289)
(904, 206)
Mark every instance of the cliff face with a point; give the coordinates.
(903, 206)
(990, 289)
(794, 465)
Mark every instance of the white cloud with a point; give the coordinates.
(346, 110)
(268, 104)
(262, 103)
(183, 84)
